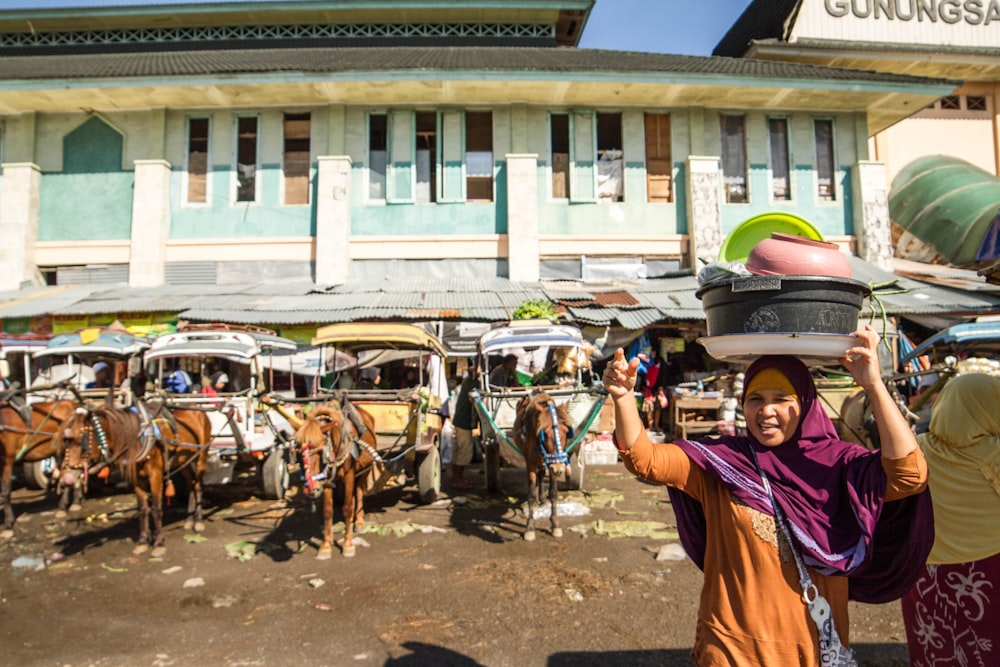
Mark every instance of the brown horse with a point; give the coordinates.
(542, 431)
(26, 435)
(337, 445)
(142, 446)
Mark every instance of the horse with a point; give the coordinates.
(27, 433)
(337, 446)
(542, 430)
(142, 447)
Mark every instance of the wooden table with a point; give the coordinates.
(694, 414)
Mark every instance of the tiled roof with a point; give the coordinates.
(515, 62)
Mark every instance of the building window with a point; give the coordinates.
(610, 167)
(246, 158)
(734, 160)
(951, 102)
(975, 103)
(296, 158)
(825, 163)
(428, 156)
(659, 169)
(197, 161)
(586, 150)
(426, 143)
(378, 126)
(479, 155)
(559, 149)
(777, 129)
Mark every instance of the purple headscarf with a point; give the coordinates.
(832, 493)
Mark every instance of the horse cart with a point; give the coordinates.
(63, 370)
(16, 371)
(552, 358)
(243, 427)
(407, 420)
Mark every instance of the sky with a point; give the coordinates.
(691, 27)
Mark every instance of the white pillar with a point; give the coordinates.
(150, 224)
(872, 227)
(522, 217)
(704, 212)
(333, 219)
(19, 203)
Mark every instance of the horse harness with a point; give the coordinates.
(559, 455)
(13, 398)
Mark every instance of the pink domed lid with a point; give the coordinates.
(787, 254)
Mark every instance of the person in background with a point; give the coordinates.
(740, 422)
(464, 419)
(102, 376)
(409, 379)
(178, 381)
(952, 614)
(505, 374)
(660, 403)
(789, 514)
(219, 381)
(370, 378)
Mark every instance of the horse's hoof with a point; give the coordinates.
(529, 536)
(557, 532)
(199, 526)
(189, 524)
(140, 549)
(324, 554)
(75, 507)
(6, 534)
(349, 552)
(158, 552)
(60, 514)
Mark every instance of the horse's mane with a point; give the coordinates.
(545, 416)
(319, 421)
(122, 430)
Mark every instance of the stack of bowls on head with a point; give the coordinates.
(800, 287)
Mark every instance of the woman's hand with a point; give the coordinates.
(861, 361)
(620, 376)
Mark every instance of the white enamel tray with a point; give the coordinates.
(814, 349)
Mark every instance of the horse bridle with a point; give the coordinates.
(559, 456)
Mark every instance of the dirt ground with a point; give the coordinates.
(451, 583)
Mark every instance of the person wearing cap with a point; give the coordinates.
(102, 376)
(788, 504)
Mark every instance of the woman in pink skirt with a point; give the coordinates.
(952, 615)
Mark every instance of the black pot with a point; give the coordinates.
(782, 304)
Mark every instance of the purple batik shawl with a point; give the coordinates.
(831, 492)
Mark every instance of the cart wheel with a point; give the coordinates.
(274, 474)
(429, 476)
(491, 465)
(38, 474)
(574, 473)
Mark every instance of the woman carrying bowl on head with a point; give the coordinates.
(788, 522)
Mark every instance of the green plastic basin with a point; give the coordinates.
(738, 243)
